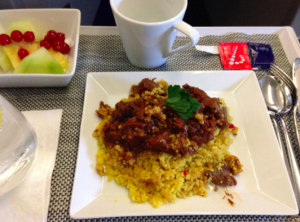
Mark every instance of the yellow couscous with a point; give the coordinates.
(178, 166)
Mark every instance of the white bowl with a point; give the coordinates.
(66, 21)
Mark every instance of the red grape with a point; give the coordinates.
(51, 35)
(5, 39)
(57, 45)
(60, 36)
(65, 49)
(22, 53)
(45, 43)
(29, 36)
(16, 36)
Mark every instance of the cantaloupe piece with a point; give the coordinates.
(5, 63)
(24, 26)
(59, 58)
(11, 51)
(40, 61)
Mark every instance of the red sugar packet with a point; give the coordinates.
(234, 55)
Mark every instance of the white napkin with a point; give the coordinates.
(30, 200)
(208, 49)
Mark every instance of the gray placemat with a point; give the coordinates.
(105, 53)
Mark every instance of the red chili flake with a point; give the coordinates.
(231, 126)
(185, 172)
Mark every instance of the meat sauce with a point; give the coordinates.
(144, 123)
(132, 128)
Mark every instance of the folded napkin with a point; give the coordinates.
(30, 200)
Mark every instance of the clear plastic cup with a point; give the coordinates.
(17, 146)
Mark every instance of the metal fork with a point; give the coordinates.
(280, 74)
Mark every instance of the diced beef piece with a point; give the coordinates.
(129, 109)
(160, 142)
(133, 129)
(197, 93)
(111, 133)
(210, 106)
(222, 177)
(145, 85)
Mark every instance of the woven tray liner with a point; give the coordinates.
(106, 54)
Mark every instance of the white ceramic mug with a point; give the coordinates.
(148, 29)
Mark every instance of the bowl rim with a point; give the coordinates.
(41, 9)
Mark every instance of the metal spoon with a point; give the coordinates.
(279, 101)
(270, 86)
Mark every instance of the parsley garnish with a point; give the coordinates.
(181, 102)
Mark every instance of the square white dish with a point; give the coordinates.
(66, 21)
(263, 188)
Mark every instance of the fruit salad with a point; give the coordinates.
(23, 49)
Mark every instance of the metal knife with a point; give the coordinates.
(296, 80)
(296, 77)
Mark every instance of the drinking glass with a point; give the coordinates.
(17, 146)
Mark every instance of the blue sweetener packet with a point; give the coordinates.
(261, 55)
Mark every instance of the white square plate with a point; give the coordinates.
(66, 21)
(263, 188)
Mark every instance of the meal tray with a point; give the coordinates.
(100, 50)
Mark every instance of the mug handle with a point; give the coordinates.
(190, 32)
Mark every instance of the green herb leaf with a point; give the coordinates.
(184, 94)
(195, 105)
(181, 106)
(186, 115)
(173, 89)
(175, 98)
(181, 102)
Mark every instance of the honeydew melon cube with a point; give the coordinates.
(40, 61)
(24, 26)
